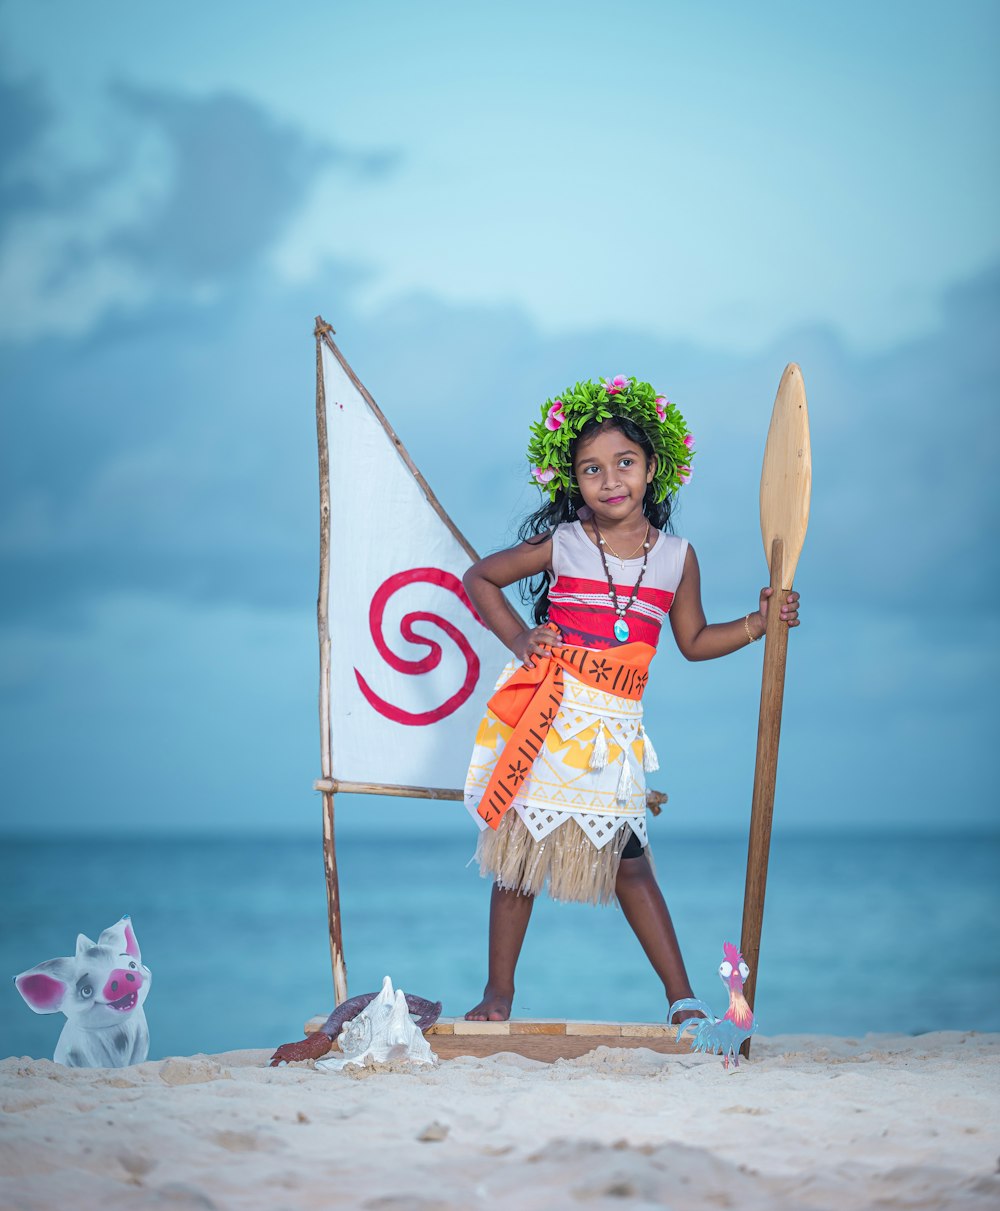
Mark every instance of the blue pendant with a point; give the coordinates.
(621, 630)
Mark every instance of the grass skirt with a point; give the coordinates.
(567, 860)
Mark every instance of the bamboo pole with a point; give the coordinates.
(335, 786)
(323, 626)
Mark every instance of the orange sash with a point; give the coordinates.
(529, 699)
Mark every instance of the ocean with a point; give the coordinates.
(861, 932)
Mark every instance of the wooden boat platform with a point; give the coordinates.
(544, 1039)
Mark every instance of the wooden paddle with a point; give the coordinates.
(785, 484)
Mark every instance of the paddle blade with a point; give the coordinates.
(786, 479)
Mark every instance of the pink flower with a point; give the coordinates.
(555, 416)
(684, 474)
(689, 440)
(616, 384)
(662, 404)
(543, 474)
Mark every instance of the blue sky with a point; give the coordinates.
(486, 205)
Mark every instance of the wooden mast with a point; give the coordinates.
(323, 626)
(785, 486)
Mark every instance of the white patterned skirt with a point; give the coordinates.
(578, 808)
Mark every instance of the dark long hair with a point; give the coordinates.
(537, 527)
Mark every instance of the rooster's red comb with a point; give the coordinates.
(732, 953)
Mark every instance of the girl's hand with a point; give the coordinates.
(535, 642)
(789, 611)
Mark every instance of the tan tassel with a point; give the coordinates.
(650, 761)
(599, 753)
(625, 780)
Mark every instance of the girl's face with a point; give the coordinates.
(612, 472)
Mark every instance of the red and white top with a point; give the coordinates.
(579, 603)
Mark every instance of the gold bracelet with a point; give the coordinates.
(746, 626)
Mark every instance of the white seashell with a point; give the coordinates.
(356, 1036)
(381, 1032)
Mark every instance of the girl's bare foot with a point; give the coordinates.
(494, 1007)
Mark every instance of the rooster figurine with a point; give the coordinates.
(728, 1033)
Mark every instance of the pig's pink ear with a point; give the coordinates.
(120, 938)
(131, 945)
(44, 986)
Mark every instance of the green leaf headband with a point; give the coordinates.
(563, 418)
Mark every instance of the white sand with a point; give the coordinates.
(887, 1121)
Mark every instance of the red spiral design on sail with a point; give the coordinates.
(376, 612)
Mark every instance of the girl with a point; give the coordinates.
(556, 781)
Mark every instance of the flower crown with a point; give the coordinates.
(563, 418)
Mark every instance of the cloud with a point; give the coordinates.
(24, 118)
(184, 198)
(55, 212)
(235, 178)
(161, 458)
(907, 465)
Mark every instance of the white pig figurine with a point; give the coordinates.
(101, 990)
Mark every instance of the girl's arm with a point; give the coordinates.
(701, 640)
(485, 582)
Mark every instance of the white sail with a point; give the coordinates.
(411, 664)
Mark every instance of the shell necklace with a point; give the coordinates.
(621, 627)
